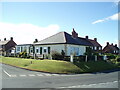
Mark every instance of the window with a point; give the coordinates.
(21, 49)
(25, 48)
(18, 48)
(40, 50)
(37, 50)
(48, 50)
(99, 48)
(45, 49)
(114, 51)
(95, 48)
(31, 50)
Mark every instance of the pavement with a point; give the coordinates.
(13, 77)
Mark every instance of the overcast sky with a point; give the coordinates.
(26, 21)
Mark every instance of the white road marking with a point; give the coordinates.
(39, 75)
(6, 73)
(32, 75)
(22, 75)
(89, 85)
(48, 75)
(55, 74)
(13, 76)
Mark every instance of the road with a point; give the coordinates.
(19, 78)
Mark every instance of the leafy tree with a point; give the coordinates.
(89, 51)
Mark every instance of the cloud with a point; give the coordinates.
(116, 2)
(113, 17)
(26, 33)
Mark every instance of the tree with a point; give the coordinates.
(63, 53)
(56, 55)
(89, 52)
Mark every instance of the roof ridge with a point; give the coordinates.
(48, 37)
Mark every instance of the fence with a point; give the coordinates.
(83, 58)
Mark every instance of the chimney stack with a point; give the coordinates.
(4, 39)
(74, 34)
(107, 43)
(95, 39)
(11, 38)
(86, 37)
(36, 40)
(112, 44)
(115, 45)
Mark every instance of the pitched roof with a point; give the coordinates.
(23, 44)
(109, 48)
(64, 38)
(94, 43)
(116, 47)
(4, 42)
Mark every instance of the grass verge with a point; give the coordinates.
(95, 66)
(56, 66)
(53, 66)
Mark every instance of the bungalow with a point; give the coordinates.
(62, 41)
(23, 47)
(7, 47)
(110, 48)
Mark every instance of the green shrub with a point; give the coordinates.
(118, 58)
(56, 55)
(23, 54)
(110, 56)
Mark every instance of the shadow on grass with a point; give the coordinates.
(96, 67)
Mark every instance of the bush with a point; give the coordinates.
(56, 55)
(23, 54)
(110, 56)
(118, 58)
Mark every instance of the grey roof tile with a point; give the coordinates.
(65, 38)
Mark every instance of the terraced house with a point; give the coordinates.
(110, 48)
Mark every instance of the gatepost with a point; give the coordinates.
(71, 58)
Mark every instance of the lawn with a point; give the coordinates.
(57, 66)
(53, 66)
(95, 66)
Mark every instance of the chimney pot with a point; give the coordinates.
(36, 40)
(115, 45)
(107, 43)
(74, 34)
(86, 37)
(112, 44)
(4, 39)
(95, 39)
(11, 38)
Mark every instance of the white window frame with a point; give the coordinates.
(95, 48)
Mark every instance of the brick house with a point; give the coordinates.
(110, 48)
(96, 47)
(7, 47)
